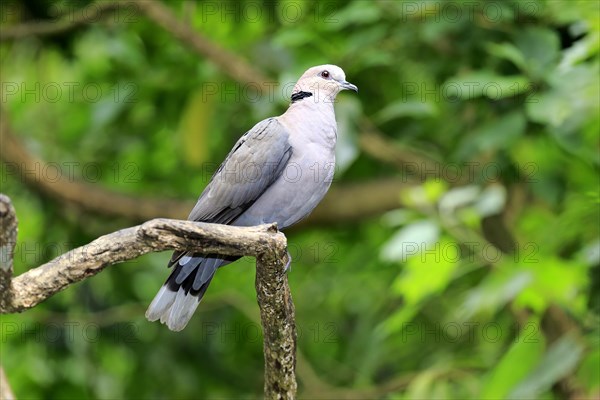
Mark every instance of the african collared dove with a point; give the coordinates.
(277, 172)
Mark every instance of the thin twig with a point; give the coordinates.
(29, 169)
(86, 15)
(380, 147)
(230, 63)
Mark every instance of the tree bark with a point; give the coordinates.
(71, 20)
(8, 239)
(279, 327)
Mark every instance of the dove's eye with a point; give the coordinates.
(325, 74)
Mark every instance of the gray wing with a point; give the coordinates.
(255, 162)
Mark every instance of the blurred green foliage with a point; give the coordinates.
(417, 303)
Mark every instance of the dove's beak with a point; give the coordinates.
(348, 86)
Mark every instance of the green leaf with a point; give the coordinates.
(434, 189)
(588, 371)
(520, 359)
(509, 52)
(408, 108)
(483, 83)
(294, 37)
(420, 387)
(558, 361)
(566, 12)
(497, 134)
(500, 287)
(429, 272)
(357, 13)
(580, 51)
(500, 133)
(410, 240)
(540, 48)
(397, 321)
(554, 280)
(569, 106)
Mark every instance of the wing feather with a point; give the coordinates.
(255, 162)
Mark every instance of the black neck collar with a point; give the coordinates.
(300, 95)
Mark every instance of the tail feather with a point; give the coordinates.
(182, 310)
(161, 304)
(203, 277)
(178, 298)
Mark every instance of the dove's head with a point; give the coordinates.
(322, 82)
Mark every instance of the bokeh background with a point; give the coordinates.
(457, 255)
